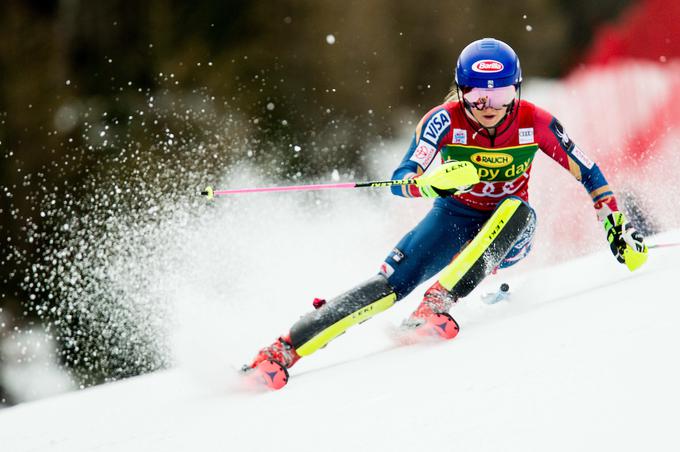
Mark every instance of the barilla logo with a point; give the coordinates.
(491, 160)
(487, 66)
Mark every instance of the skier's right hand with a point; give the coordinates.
(447, 179)
(626, 244)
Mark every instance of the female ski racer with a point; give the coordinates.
(487, 137)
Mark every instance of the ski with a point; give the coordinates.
(435, 328)
(439, 325)
(268, 373)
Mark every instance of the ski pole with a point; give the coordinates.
(449, 174)
(210, 193)
(663, 245)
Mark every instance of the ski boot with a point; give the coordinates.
(431, 318)
(272, 363)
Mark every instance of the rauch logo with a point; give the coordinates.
(491, 160)
(487, 66)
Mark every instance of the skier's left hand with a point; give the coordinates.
(626, 244)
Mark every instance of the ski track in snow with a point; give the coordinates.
(580, 358)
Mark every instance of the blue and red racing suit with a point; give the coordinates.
(503, 162)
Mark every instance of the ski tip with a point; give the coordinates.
(273, 374)
(443, 325)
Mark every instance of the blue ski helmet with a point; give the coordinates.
(488, 63)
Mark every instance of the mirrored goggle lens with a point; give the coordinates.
(496, 98)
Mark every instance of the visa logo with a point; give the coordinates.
(436, 126)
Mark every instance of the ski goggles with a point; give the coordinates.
(496, 98)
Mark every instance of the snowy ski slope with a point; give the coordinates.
(583, 357)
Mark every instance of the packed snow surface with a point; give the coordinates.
(582, 357)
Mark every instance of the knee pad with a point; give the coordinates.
(316, 329)
(489, 247)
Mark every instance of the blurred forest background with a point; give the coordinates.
(95, 91)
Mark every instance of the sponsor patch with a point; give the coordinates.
(491, 159)
(436, 127)
(487, 66)
(460, 136)
(423, 154)
(386, 270)
(581, 157)
(397, 255)
(561, 135)
(500, 164)
(526, 136)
